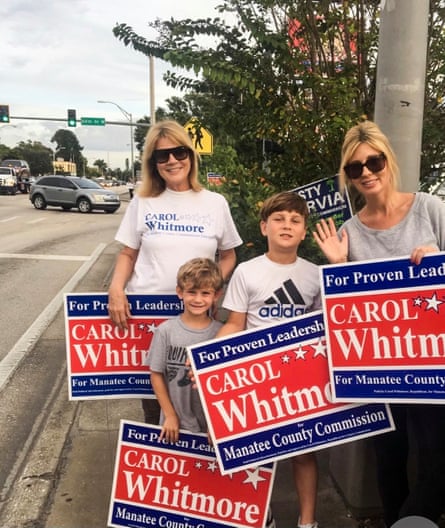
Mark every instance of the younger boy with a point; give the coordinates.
(199, 285)
(271, 288)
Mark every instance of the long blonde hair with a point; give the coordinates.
(368, 132)
(152, 182)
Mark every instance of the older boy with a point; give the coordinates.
(271, 288)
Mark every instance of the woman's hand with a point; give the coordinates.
(419, 252)
(118, 307)
(334, 248)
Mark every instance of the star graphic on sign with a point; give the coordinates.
(211, 466)
(300, 353)
(285, 358)
(253, 477)
(319, 349)
(151, 328)
(433, 303)
(148, 327)
(198, 464)
(417, 301)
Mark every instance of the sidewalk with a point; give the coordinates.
(81, 496)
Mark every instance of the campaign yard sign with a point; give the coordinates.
(104, 361)
(324, 199)
(385, 328)
(267, 396)
(157, 483)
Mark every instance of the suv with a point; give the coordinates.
(21, 171)
(8, 181)
(71, 191)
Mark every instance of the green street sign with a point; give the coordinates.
(96, 121)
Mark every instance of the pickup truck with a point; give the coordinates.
(8, 180)
(21, 171)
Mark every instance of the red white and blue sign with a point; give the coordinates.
(325, 200)
(267, 396)
(157, 483)
(105, 361)
(385, 329)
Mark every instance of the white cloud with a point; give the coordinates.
(60, 54)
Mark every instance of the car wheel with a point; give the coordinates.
(13, 191)
(39, 202)
(84, 205)
(110, 211)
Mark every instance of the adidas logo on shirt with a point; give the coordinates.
(285, 302)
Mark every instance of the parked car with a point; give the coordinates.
(21, 171)
(8, 180)
(70, 192)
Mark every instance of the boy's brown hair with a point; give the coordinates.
(284, 201)
(200, 273)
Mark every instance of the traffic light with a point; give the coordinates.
(4, 114)
(72, 121)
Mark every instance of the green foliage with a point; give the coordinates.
(35, 153)
(68, 148)
(295, 73)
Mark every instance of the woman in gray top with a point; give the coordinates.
(392, 223)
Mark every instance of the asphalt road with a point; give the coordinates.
(43, 254)
(40, 252)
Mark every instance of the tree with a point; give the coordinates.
(68, 148)
(293, 74)
(101, 166)
(297, 73)
(35, 153)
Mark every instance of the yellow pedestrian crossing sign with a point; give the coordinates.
(201, 138)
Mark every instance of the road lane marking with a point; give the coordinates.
(79, 258)
(37, 220)
(13, 358)
(9, 219)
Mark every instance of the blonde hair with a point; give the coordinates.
(152, 182)
(200, 273)
(369, 133)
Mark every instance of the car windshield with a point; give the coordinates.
(84, 183)
(12, 163)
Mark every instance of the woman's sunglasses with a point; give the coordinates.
(163, 155)
(374, 164)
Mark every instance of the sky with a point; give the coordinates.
(60, 54)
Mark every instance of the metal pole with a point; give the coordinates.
(400, 89)
(132, 149)
(152, 90)
(129, 116)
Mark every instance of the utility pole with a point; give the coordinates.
(400, 89)
(152, 89)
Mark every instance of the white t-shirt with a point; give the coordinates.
(170, 229)
(270, 292)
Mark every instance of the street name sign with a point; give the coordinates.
(94, 121)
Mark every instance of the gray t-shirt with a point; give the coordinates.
(424, 224)
(168, 355)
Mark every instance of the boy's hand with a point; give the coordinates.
(170, 429)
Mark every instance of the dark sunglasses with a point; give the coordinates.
(374, 164)
(163, 155)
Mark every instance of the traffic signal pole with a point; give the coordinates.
(400, 90)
